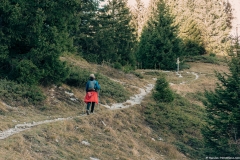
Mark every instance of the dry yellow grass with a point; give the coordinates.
(125, 136)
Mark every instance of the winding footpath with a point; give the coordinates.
(136, 99)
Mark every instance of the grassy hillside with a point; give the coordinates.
(147, 131)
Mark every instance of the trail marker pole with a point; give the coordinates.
(178, 68)
(178, 65)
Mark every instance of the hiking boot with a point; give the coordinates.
(87, 112)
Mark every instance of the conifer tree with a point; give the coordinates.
(89, 26)
(222, 130)
(159, 46)
(123, 32)
(115, 38)
(107, 34)
(33, 36)
(190, 33)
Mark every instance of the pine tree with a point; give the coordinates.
(115, 38)
(159, 46)
(106, 34)
(33, 36)
(190, 33)
(89, 26)
(222, 130)
(123, 32)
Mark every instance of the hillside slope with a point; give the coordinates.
(106, 134)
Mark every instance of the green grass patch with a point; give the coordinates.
(198, 96)
(204, 59)
(15, 94)
(153, 73)
(112, 89)
(137, 74)
(77, 77)
(109, 89)
(180, 122)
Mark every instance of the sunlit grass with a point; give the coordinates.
(126, 134)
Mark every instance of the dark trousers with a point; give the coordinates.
(89, 104)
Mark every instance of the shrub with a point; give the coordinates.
(15, 94)
(212, 55)
(117, 65)
(128, 68)
(77, 77)
(139, 75)
(27, 72)
(192, 48)
(163, 93)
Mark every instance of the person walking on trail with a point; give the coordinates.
(91, 97)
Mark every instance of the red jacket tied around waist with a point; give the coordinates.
(91, 96)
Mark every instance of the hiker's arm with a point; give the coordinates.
(97, 86)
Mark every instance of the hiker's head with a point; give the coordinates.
(92, 77)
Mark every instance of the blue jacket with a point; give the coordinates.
(97, 86)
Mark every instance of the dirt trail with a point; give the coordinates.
(136, 99)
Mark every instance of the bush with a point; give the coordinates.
(212, 55)
(127, 68)
(139, 75)
(192, 48)
(77, 77)
(117, 65)
(163, 93)
(15, 94)
(27, 72)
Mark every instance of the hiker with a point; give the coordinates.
(91, 97)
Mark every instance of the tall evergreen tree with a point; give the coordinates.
(159, 45)
(33, 36)
(190, 33)
(123, 33)
(106, 34)
(222, 130)
(89, 26)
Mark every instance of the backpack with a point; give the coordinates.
(91, 85)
